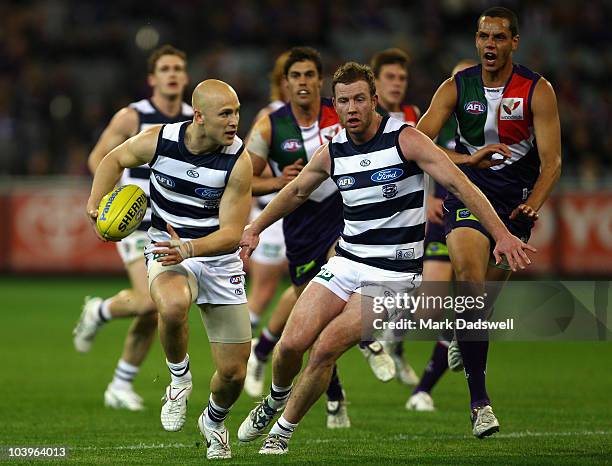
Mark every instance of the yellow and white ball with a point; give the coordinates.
(121, 211)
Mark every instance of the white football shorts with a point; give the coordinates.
(271, 248)
(132, 248)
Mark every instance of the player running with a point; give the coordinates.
(498, 103)
(168, 79)
(382, 241)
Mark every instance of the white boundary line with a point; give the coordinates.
(509, 435)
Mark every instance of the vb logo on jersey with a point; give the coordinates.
(511, 109)
(325, 274)
(474, 107)
(291, 145)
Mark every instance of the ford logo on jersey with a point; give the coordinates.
(209, 193)
(345, 182)
(291, 145)
(165, 181)
(388, 174)
(474, 107)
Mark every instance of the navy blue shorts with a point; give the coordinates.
(305, 266)
(435, 243)
(456, 215)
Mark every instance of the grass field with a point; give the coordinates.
(553, 400)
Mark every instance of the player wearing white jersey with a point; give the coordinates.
(378, 165)
(201, 194)
(168, 79)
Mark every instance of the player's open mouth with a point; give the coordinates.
(230, 134)
(352, 121)
(303, 92)
(490, 58)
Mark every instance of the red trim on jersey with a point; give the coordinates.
(513, 131)
(410, 114)
(329, 117)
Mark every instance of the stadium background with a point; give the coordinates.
(67, 66)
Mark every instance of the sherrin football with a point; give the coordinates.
(121, 211)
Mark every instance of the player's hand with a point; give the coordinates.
(176, 250)
(248, 242)
(485, 157)
(524, 212)
(92, 216)
(291, 171)
(435, 212)
(514, 250)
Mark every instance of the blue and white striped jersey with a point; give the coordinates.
(149, 115)
(383, 197)
(186, 188)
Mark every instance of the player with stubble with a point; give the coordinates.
(504, 104)
(201, 196)
(384, 215)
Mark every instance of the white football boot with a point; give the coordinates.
(217, 440)
(380, 362)
(255, 375)
(122, 399)
(484, 422)
(337, 415)
(420, 401)
(274, 444)
(403, 371)
(88, 325)
(256, 422)
(174, 409)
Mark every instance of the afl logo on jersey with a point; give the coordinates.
(209, 193)
(388, 174)
(345, 182)
(291, 145)
(165, 181)
(193, 174)
(474, 107)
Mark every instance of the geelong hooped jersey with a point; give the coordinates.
(149, 115)
(319, 220)
(499, 115)
(383, 197)
(186, 188)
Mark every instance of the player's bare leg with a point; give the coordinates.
(469, 252)
(434, 271)
(225, 386)
(341, 333)
(172, 296)
(264, 282)
(304, 325)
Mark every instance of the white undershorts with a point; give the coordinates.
(132, 248)
(271, 248)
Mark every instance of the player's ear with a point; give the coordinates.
(151, 80)
(515, 42)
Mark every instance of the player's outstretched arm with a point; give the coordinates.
(290, 197)
(548, 136)
(417, 147)
(122, 126)
(440, 110)
(136, 151)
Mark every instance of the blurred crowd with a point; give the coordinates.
(67, 65)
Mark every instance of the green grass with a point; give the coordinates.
(553, 399)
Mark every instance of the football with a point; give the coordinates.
(121, 211)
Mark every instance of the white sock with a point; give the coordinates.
(283, 427)
(215, 414)
(179, 371)
(105, 313)
(278, 396)
(124, 375)
(254, 318)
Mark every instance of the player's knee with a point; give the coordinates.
(234, 373)
(291, 346)
(466, 272)
(323, 354)
(173, 310)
